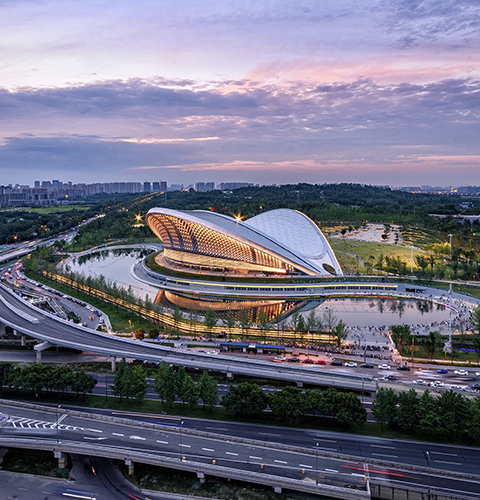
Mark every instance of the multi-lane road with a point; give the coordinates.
(253, 452)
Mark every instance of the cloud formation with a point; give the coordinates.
(276, 92)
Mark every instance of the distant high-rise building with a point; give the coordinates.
(233, 185)
(147, 187)
(204, 186)
(37, 184)
(163, 186)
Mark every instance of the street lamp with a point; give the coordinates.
(450, 245)
(316, 465)
(363, 380)
(56, 418)
(106, 379)
(411, 259)
(427, 456)
(180, 444)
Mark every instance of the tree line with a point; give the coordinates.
(39, 378)
(450, 415)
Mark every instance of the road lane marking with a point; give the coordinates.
(442, 453)
(185, 446)
(269, 434)
(380, 446)
(449, 463)
(230, 453)
(94, 430)
(305, 466)
(217, 428)
(162, 442)
(138, 437)
(383, 455)
(117, 434)
(318, 438)
(255, 458)
(94, 439)
(332, 470)
(207, 449)
(280, 462)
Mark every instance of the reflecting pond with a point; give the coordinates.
(116, 265)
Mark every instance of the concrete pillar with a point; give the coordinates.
(14, 332)
(38, 358)
(201, 476)
(22, 340)
(130, 466)
(229, 376)
(62, 459)
(2, 330)
(299, 384)
(277, 489)
(114, 365)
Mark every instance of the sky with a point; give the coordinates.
(383, 92)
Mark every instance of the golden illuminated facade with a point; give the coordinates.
(210, 242)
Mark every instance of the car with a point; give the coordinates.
(403, 368)
(320, 362)
(419, 382)
(278, 359)
(336, 362)
(442, 370)
(477, 374)
(384, 367)
(475, 387)
(366, 365)
(293, 360)
(391, 377)
(461, 372)
(351, 364)
(308, 361)
(438, 383)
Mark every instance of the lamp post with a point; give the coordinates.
(106, 379)
(316, 465)
(363, 380)
(450, 245)
(411, 259)
(180, 444)
(427, 456)
(56, 419)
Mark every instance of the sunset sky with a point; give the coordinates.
(267, 91)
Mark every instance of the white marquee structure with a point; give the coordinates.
(278, 242)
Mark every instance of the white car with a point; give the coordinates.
(460, 372)
(477, 374)
(419, 382)
(438, 383)
(351, 364)
(384, 367)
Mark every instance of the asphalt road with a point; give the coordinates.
(304, 458)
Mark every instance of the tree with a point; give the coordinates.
(430, 343)
(407, 410)
(476, 319)
(140, 384)
(139, 334)
(329, 319)
(384, 406)
(164, 384)
(177, 317)
(62, 377)
(210, 321)
(350, 409)
(190, 391)
(313, 323)
(244, 319)
(82, 383)
(340, 332)
(245, 399)
(262, 320)
(208, 390)
(454, 413)
(400, 336)
(474, 422)
(118, 388)
(180, 384)
(428, 413)
(289, 404)
(229, 321)
(5, 374)
(476, 346)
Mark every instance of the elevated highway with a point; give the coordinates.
(27, 319)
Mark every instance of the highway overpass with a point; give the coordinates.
(28, 320)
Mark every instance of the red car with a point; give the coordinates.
(320, 362)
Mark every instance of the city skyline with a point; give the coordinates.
(284, 92)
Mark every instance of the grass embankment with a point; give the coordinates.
(38, 462)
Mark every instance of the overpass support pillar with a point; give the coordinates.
(277, 489)
(201, 476)
(22, 340)
(130, 466)
(229, 376)
(39, 348)
(62, 459)
(299, 384)
(2, 330)
(114, 364)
